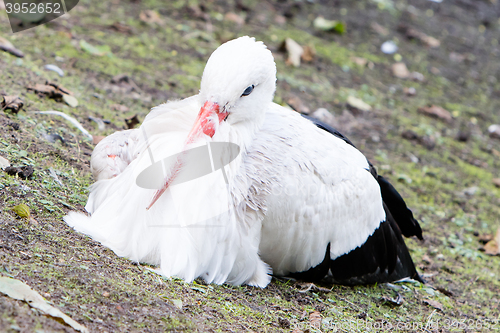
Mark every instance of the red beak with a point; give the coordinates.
(204, 123)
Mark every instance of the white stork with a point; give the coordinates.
(295, 200)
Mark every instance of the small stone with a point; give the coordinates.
(410, 91)
(324, 115)
(389, 47)
(105, 294)
(416, 76)
(400, 70)
(494, 131)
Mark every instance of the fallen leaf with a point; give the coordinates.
(315, 320)
(13, 103)
(400, 70)
(294, 51)
(59, 87)
(22, 210)
(434, 304)
(435, 111)
(356, 104)
(496, 182)
(415, 34)
(484, 238)
(46, 89)
(100, 50)
(359, 61)
(4, 163)
(329, 25)
(23, 172)
(150, 16)
(493, 246)
(177, 303)
(309, 53)
(427, 259)
(379, 29)
(120, 27)
(70, 100)
(7, 46)
(97, 138)
(118, 107)
(233, 17)
(297, 104)
(19, 290)
(125, 81)
(132, 121)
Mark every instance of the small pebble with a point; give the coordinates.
(389, 47)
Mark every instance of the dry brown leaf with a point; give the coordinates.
(17, 289)
(379, 29)
(97, 138)
(7, 46)
(315, 320)
(118, 107)
(150, 16)
(359, 61)
(13, 103)
(309, 53)
(45, 90)
(233, 17)
(120, 27)
(132, 121)
(357, 105)
(415, 34)
(434, 304)
(435, 111)
(400, 70)
(493, 246)
(297, 104)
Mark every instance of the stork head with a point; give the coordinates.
(238, 83)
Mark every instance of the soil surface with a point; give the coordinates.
(120, 58)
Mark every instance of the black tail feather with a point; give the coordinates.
(384, 257)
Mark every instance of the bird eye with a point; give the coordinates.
(248, 91)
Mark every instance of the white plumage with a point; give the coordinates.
(292, 190)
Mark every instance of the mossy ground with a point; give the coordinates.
(165, 60)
